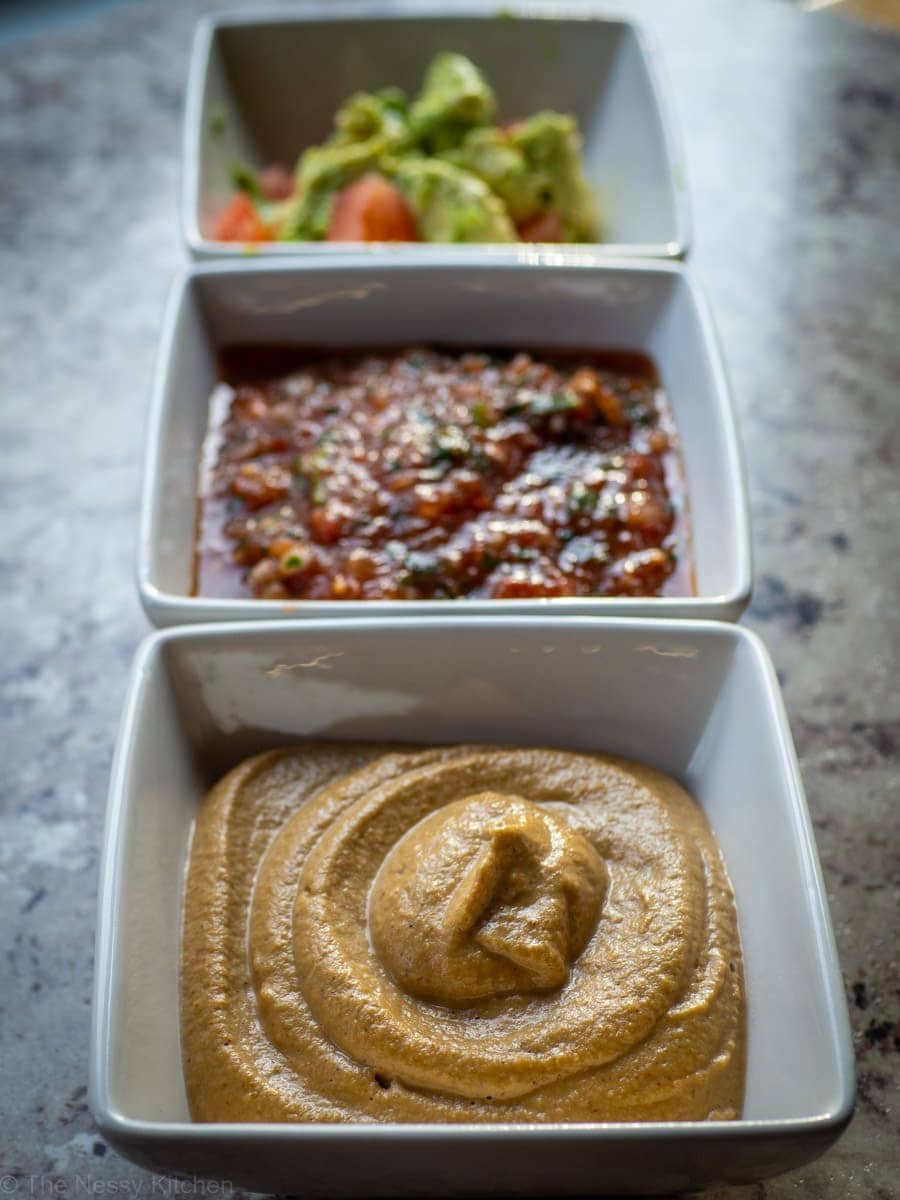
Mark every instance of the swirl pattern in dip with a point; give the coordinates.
(458, 934)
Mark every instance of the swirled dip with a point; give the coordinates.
(458, 934)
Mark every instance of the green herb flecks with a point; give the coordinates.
(581, 499)
(450, 446)
(419, 568)
(545, 405)
(482, 415)
(530, 403)
(245, 179)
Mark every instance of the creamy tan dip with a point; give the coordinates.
(458, 934)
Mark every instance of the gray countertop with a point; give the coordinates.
(792, 126)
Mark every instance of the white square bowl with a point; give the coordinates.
(524, 300)
(264, 85)
(696, 699)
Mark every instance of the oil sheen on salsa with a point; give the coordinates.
(434, 474)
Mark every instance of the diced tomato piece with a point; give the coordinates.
(257, 485)
(276, 182)
(240, 222)
(372, 210)
(545, 227)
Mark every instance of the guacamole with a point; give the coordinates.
(434, 168)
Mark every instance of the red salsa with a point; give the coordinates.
(424, 474)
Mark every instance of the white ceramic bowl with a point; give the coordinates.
(526, 299)
(263, 86)
(696, 699)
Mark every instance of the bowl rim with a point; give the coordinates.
(166, 607)
(149, 662)
(316, 11)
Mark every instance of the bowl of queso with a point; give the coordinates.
(437, 902)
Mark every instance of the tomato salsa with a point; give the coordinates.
(429, 473)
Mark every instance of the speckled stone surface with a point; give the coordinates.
(792, 125)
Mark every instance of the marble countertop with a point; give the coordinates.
(792, 128)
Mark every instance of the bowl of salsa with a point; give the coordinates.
(422, 473)
(420, 438)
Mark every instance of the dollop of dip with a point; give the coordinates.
(458, 934)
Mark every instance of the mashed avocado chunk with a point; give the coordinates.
(455, 97)
(551, 146)
(490, 154)
(373, 116)
(534, 167)
(451, 205)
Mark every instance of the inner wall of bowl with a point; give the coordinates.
(524, 308)
(165, 781)
(689, 705)
(279, 84)
(189, 377)
(740, 775)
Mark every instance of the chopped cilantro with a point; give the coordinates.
(541, 404)
(450, 445)
(582, 499)
(482, 415)
(482, 462)
(557, 402)
(522, 401)
(245, 179)
(419, 567)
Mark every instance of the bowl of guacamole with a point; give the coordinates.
(431, 167)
